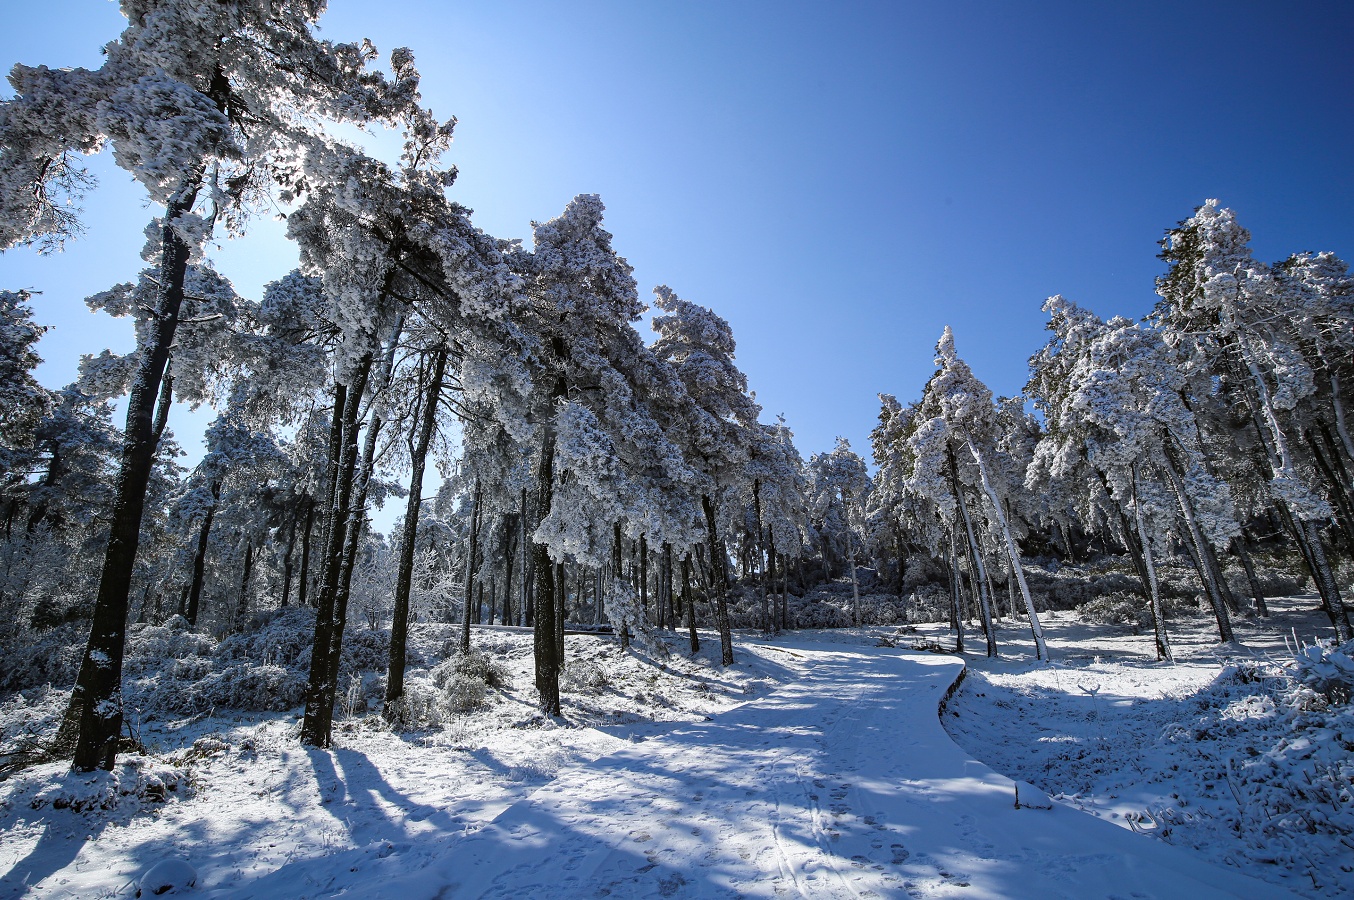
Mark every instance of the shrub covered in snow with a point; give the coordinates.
(135, 780)
(583, 676)
(1327, 670)
(465, 680)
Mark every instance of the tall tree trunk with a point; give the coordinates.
(956, 608)
(1153, 591)
(321, 687)
(1197, 542)
(561, 611)
(1243, 554)
(242, 604)
(404, 577)
(769, 585)
(95, 710)
(1325, 579)
(1338, 495)
(470, 565)
(547, 662)
(689, 602)
(622, 631)
(975, 558)
(644, 576)
(525, 545)
(851, 562)
(719, 574)
(303, 579)
(1040, 648)
(288, 566)
(200, 558)
(975, 561)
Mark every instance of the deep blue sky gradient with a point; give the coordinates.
(840, 180)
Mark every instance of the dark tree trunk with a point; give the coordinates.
(719, 578)
(96, 701)
(689, 603)
(543, 601)
(644, 576)
(956, 601)
(200, 558)
(470, 566)
(404, 578)
(287, 564)
(303, 581)
(1243, 554)
(242, 603)
(322, 684)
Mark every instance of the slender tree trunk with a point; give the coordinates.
(303, 579)
(1163, 645)
(956, 608)
(1325, 579)
(242, 604)
(719, 576)
(1338, 495)
(404, 577)
(1197, 542)
(470, 566)
(200, 557)
(509, 552)
(644, 576)
(975, 561)
(95, 710)
(784, 592)
(561, 613)
(689, 603)
(769, 585)
(288, 566)
(523, 606)
(1243, 554)
(1040, 648)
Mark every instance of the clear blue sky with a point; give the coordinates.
(839, 180)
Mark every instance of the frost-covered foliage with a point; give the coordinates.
(1327, 670)
(465, 680)
(138, 781)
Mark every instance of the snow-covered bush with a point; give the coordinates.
(583, 676)
(465, 680)
(1117, 609)
(135, 781)
(42, 657)
(1328, 670)
(281, 637)
(150, 646)
(365, 650)
(240, 686)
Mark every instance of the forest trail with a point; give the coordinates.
(843, 784)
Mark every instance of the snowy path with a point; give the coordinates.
(843, 784)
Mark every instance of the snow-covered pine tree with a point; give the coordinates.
(961, 424)
(715, 432)
(839, 487)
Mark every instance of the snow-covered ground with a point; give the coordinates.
(816, 767)
(1220, 752)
